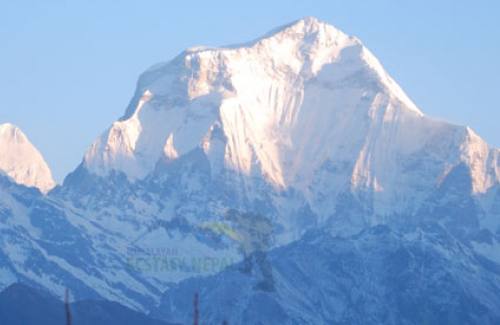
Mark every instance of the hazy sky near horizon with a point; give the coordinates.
(69, 68)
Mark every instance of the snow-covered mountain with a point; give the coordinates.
(379, 276)
(304, 118)
(302, 127)
(44, 243)
(21, 161)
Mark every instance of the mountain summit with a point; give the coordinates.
(305, 109)
(21, 161)
(261, 96)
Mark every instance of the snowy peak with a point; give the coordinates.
(260, 92)
(318, 43)
(483, 160)
(21, 161)
(310, 32)
(305, 107)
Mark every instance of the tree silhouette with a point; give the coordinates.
(196, 310)
(66, 307)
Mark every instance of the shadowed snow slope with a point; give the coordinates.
(376, 277)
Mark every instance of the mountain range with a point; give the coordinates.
(379, 214)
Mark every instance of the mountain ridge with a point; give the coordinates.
(25, 305)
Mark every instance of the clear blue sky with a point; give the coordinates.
(69, 68)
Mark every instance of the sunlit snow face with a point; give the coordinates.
(305, 108)
(21, 161)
